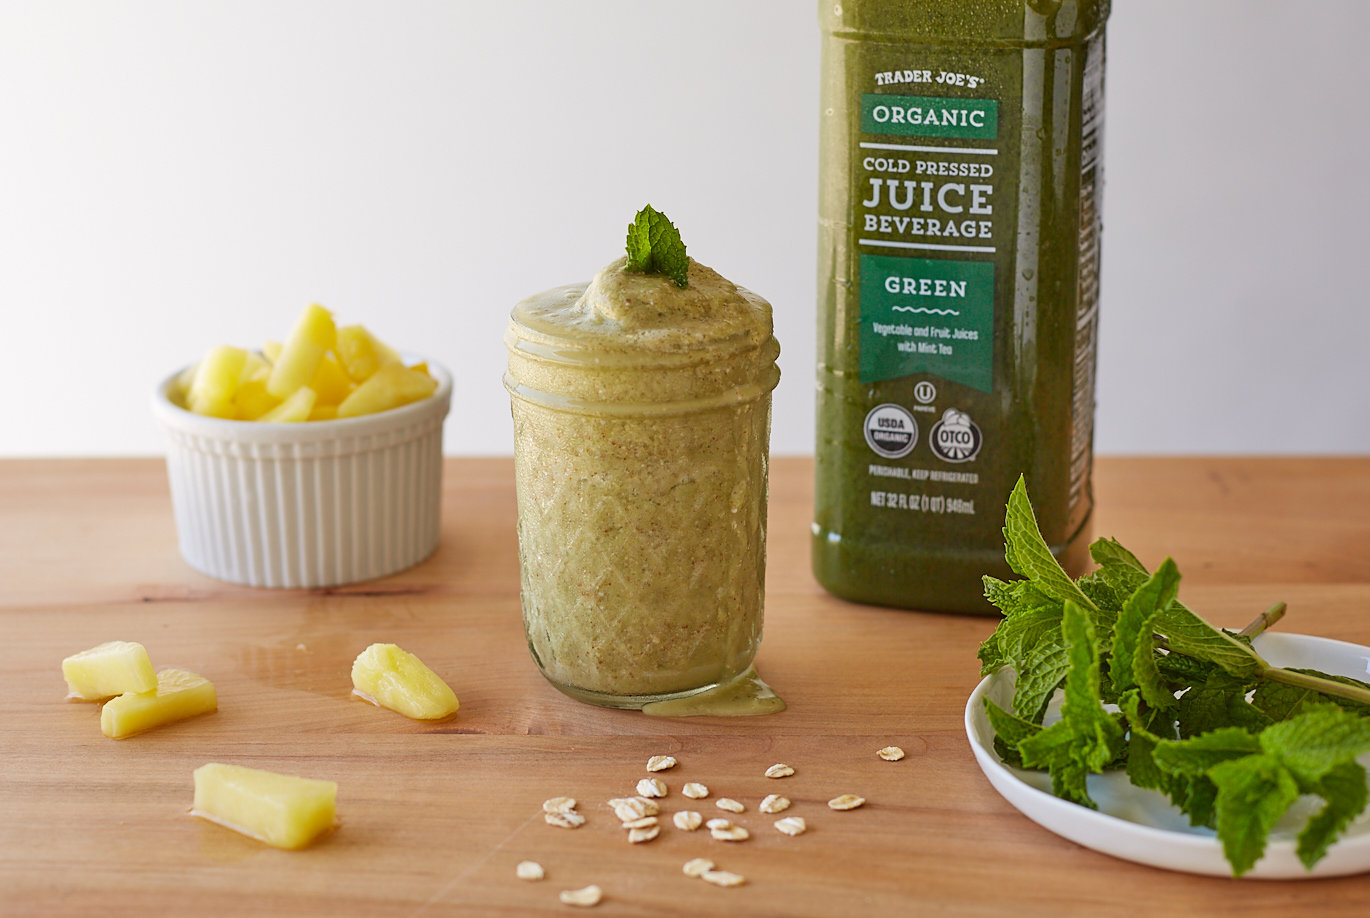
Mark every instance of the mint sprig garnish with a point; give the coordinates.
(1200, 716)
(655, 247)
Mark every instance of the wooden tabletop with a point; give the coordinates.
(435, 818)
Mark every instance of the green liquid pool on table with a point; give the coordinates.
(960, 181)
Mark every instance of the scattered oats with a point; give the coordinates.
(649, 806)
(642, 823)
(722, 878)
(651, 787)
(774, 803)
(568, 820)
(792, 825)
(718, 822)
(695, 791)
(661, 762)
(586, 897)
(698, 867)
(688, 820)
(891, 753)
(729, 804)
(529, 870)
(732, 833)
(559, 805)
(779, 771)
(846, 802)
(645, 834)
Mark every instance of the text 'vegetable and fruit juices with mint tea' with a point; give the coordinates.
(960, 183)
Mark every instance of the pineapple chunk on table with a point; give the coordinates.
(179, 695)
(390, 677)
(282, 810)
(109, 669)
(391, 386)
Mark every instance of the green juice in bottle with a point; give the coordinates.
(960, 180)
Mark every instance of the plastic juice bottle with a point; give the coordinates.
(960, 181)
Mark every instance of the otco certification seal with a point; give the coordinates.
(955, 437)
(891, 431)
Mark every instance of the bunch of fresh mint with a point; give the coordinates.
(1186, 708)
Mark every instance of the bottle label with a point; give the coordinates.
(928, 236)
(924, 315)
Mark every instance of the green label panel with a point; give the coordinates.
(927, 116)
(927, 315)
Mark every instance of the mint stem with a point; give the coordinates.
(1300, 680)
(1263, 621)
(1317, 684)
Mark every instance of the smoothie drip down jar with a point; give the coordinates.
(641, 432)
(960, 174)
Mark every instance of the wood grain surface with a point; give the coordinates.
(435, 818)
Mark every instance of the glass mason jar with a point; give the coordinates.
(641, 433)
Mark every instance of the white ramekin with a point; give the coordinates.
(312, 504)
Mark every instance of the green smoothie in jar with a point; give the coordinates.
(960, 179)
(641, 405)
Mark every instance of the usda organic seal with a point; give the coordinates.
(891, 431)
(955, 438)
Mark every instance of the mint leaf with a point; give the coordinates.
(1344, 790)
(1029, 555)
(991, 656)
(1029, 639)
(1196, 755)
(1186, 764)
(654, 247)
(1040, 673)
(1087, 737)
(1314, 743)
(1220, 700)
(1179, 670)
(1118, 577)
(1253, 793)
(1054, 751)
(1282, 702)
(1133, 664)
(1106, 552)
(1143, 725)
(1105, 593)
(1009, 731)
(1188, 634)
(1006, 597)
(1024, 608)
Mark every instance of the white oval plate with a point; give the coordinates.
(1142, 825)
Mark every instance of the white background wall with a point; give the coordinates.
(176, 174)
